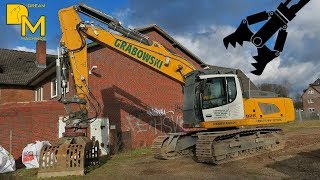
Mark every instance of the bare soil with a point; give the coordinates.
(300, 159)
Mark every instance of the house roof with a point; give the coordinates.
(315, 85)
(19, 67)
(168, 37)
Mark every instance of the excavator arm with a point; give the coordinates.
(131, 43)
(150, 53)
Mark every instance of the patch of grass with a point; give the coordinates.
(108, 164)
(20, 173)
(139, 152)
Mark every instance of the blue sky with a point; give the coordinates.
(200, 26)
(50, 11)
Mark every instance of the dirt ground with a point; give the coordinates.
(299, 160)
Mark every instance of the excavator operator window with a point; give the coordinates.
(218, 92)
(232, 89)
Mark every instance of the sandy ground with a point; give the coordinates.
(300, 159)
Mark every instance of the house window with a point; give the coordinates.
(54, 88)
(311, 109)
(310, 101)
(310, 91)
(38, 94)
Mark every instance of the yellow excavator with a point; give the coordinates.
(225, 123)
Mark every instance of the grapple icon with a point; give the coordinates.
(277, 22)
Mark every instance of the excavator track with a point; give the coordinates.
(219, 148)
(156, 147)
(173, 146)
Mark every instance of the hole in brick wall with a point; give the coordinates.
(1, 70)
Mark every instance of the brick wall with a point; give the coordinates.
(10, 94)
(315, 98)
(29, 122)
(128, 91)
(15, 94)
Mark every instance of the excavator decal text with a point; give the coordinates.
(140, 54)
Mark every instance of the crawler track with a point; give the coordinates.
(158, 149)
(225, 147)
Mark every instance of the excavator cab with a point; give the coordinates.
(211, 95)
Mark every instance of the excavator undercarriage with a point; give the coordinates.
(219, 147)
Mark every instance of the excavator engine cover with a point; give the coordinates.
(68, 156)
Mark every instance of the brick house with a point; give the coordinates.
(311, 97)
(22, 73)
(138, 102)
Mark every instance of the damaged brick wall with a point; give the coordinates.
(29, 122)
(140, 103)
(15, 94)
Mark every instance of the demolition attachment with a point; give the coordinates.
(68, 156)
(277, 22)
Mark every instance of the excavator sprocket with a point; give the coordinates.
(173, 146)
(68, 156)
(158, 148)
(219, 148)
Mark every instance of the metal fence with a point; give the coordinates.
(305, 115)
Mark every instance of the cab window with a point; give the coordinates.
(218, 92)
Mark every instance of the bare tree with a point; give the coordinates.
(281, 89)
(297, 101)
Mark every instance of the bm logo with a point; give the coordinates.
(18, 14)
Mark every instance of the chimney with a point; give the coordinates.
(41, 53)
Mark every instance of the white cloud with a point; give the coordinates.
(24, 48)
(299, 75)
(52, 51)
(208, 45)
(307, 20)
(123, 13)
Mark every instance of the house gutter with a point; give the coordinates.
(43, 75)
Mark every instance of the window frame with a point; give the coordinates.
(312, 109)
(310, 101)
(36, 91)
(54, 81)
(225, 90)
(310, 91)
